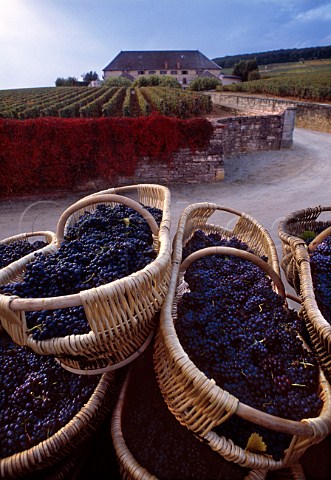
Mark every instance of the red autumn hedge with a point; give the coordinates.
(54, 153)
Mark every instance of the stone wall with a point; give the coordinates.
(186, 167)
(232, 135)
(254, 133)
(315, 116)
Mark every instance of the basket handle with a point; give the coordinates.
(238, 253)
(319, 239)
(92, 199)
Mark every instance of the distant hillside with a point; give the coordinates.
(277, 56)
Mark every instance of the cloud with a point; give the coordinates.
(322, 13)
(37, 40)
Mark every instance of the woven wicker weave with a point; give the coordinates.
(198, 402)
(296, 266)
(66, 442)
(121, 314)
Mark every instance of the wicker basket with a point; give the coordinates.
(198, 402)
(129, 466)
(290, 231)
(60, 452)
(296, 266)
(121, 314)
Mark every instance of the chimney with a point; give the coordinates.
(178, 65)
(166, 65)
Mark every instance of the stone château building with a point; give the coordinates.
(184, 65)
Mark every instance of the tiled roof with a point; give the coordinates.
(161, 60)
(207, 74)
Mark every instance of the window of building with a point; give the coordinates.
(141, 72)
(184, 72)
(163, 72)
(151, 72)
(173, 72)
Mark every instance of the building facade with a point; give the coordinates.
(184, 65)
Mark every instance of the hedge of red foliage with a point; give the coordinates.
(45, 154)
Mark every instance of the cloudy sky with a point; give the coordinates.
(41, 40)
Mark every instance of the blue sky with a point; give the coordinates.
(41, 40)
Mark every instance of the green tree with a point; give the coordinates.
(90, 76)
(254, 75)
(66, 82)
(200, 84)
(244, 67)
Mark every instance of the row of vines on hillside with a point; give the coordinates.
(74, 102)
(314, 87)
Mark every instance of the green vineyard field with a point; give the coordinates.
(78, 102)
(314, 86)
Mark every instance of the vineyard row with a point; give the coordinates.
(312, 87)
(74, 102)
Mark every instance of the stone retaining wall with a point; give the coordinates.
(253, 133)
(232, 135)
(315, 116)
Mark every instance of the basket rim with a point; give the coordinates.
(296, 216)
(25, 235)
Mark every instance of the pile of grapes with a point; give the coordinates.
(102, 246)
(238, 331)
(10, 252)
(37, 397)
(320, 263)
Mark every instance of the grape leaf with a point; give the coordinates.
(256, 444)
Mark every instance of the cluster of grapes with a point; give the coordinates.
(102, 246)
(10, 252)
(239, 332)
(320, 262)
(37, 397)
